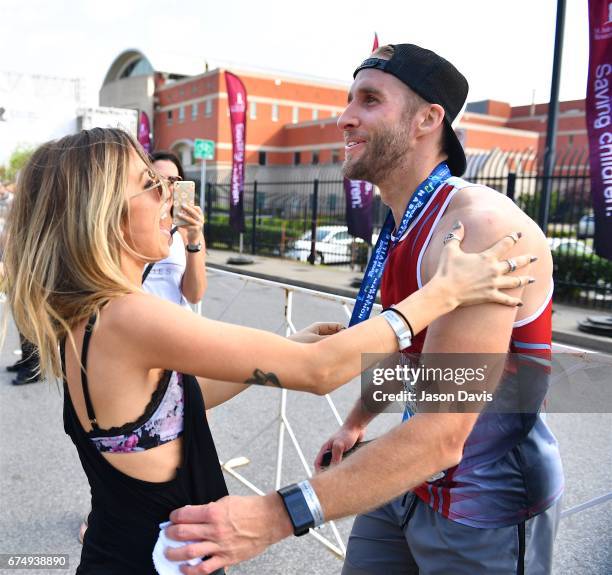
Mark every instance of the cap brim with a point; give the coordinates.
(456, 156)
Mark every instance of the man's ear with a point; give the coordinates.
(432, 119)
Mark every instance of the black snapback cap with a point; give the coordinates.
(437, 81)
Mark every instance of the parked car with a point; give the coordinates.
(333, 245)
(569, 246)
(586, 227)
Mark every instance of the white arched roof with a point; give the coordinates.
(161, 60)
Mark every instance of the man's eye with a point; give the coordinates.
(370, 99)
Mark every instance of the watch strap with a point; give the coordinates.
(194, 248)
(297, 508)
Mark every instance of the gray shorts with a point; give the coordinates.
(407, 537)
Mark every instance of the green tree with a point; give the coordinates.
(18, 160)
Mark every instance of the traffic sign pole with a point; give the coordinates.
(204, 150)
(203, 185)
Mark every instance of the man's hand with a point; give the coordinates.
(228, 531)
(339, 443)
(316, 332)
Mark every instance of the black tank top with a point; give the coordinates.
(126, 512)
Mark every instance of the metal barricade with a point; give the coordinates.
(284, 424)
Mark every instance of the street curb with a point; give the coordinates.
(590, 342)
(585, 341)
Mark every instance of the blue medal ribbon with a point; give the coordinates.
(376, 266)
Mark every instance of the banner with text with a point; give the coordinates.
(237, 101)
(599, 121)
(359, 196)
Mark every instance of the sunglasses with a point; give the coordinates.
(160, 185)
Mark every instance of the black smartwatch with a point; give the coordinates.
(194, 248)
(297, 508)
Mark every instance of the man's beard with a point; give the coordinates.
(385, 151)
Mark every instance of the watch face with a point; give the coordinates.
(297, 508)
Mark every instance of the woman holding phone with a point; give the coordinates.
(90, 213)
(181, 277)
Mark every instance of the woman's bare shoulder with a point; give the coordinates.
(137, 313)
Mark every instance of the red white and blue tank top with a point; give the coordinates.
(511, 468)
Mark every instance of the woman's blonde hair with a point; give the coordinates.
(64, 240)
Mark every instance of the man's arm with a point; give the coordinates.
(486, 328)
(234, 529)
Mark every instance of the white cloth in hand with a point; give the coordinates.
(163, 565)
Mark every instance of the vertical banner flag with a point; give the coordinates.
(237, 101)
(599, 121)
(144, 132)
(359, 196)
(375, 45)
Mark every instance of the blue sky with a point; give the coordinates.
(504, 48)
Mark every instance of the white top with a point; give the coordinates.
(165, 277)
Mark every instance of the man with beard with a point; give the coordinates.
(450, 492)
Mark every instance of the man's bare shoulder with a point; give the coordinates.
(488, 215)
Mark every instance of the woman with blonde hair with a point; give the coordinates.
(90, 212)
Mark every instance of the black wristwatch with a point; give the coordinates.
(297, 508)
(194, 248)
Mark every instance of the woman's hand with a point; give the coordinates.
(480, 277)
(195, 223)
(316, 332)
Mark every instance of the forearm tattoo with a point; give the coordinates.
(261, 378)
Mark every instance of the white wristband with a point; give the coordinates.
(401, 330)
(313, 502)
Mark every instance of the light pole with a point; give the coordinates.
(553, 112)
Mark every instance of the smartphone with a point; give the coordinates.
(183, 193)
(327, 456)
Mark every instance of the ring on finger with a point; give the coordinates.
(511, 265)
(514, 236)
(449, 237)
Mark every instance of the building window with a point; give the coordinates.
(296, 115)
(181, 92)
(253, 110)
(208, 108)
(181, 118)
(262, 158)
(194, 111)
(194, 88)
(169, 118)
(315, 158)
(275, 112)
(315, 114)
(297, 158)
(570, 140)
(335, 156)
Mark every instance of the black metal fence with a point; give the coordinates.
(282, 216)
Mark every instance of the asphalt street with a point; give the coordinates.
(44, 493)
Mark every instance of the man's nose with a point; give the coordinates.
(348, 119)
